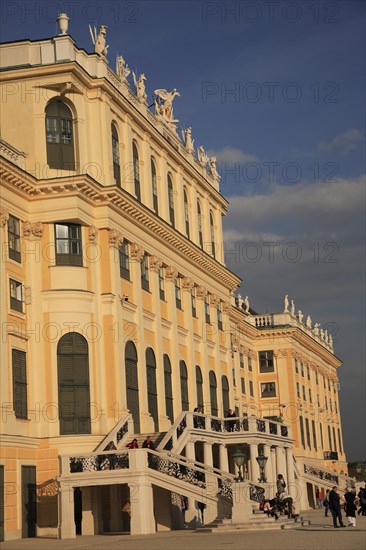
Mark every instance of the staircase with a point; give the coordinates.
(260, 521)
(155, 438)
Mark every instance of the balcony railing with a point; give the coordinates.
(330, 455)
(321, 474)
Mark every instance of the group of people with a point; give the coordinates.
(147, 444)
(282, 503)
(333, 501)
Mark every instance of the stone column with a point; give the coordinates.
(224, 461)
(280, 460)
(274, 467)
(254, 468)
(207, 453)
(291, 484)
(66, 528)
(142, 508)
(191, 513)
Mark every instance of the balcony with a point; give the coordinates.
(330, 455)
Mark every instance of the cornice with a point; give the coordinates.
(124, 204)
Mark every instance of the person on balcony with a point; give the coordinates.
(198, 421)
(230, 425)
(133, 444)
(335, 507)
(148, 444)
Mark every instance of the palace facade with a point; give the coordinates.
(119, 318)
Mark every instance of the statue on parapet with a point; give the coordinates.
(201, 156)
(286, 304)
(164, 104)
(240, 301)
(99, 40)
(316, 329)
(300, 315)
(292, 308)
(122, 69)
(140, 87)
(308, 321)
(213, 167)
(188, 141)
(246, 304)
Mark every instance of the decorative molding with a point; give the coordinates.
(214, 300)
(201, 292)
(171, 273)
(4, 216)
(226, 307)
(136, 252)
(93, 234)
(114, 238)
(32, 231)
(187, 283)
(155, 263)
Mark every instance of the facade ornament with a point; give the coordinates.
(63, 22)
(188, 141)
(239, 301)
(201, 156)
(32, 230)
(300, 315)
(93, 234)
(213, 167)
(214, 300)
(330, 340)
(246, 304)
(140, 87)
(99, 40)
(292, 308)
(308, 321)
(4, 216)
(225, 307)
(164, 104)
(232, 298)
(136, 252)
(155, 263)
(285, 304)
(114, 237)
(187, 283)
(321, 334)
(326, 336)
(122, 69)
(316, 329)
(171, 273)
(201, 292)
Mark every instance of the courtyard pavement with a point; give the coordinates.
(319, 535)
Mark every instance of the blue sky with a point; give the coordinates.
(292, 130)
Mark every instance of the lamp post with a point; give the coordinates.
(262, 460)
(239, 458)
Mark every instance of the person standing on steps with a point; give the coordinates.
(326, 503)
(281, 484)
(335, 507)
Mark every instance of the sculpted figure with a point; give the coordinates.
(140, 87)
(188, 141)
(316, 329)
(308, 321)
(122, 69)
(99, 40)
(164, 104)
(240, 301)
(286, 304)
(201, 155)
(213, 162)
(292, 308)
(246, 303)
(300, 315)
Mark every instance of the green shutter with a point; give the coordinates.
(29, 501)
(19, 384)
(2, 486)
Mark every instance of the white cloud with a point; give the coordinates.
(231, 155)
(345, 142)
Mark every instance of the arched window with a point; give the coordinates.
(132, 384)
(136, 171)
(213, 393)
(168, 388)
(154, 184)
(59, 136)
(171, 201)
(73, 384)
(186, 214)
(212, 233)
(115, 155)
(152, 392)
(199, 387)
(225, 394)
(199, 218)
(184, 385)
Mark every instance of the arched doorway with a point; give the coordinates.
(73, 384)
(132, 384)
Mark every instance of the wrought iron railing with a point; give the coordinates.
(321, 474)
(98, 462)
(330, 455)
(256, 492)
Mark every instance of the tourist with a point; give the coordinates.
(198, 421)
(326, 503)
(362, 499)
(335, 507)
(281, 484)
(350, 506)
(319, 499)
(230, 425)
(270, 508)
(133, 444)
(148, 444)
(287, 503)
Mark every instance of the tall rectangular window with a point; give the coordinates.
(330, 439)
(178, 293)
(68, 244)
(301, 421)
(250, 367)
(16, 295)
(316, 378)
(302, 369)
(268, 389)
(308, 372)
(241, 360)
(314, 435)
(193, 302)
(266, 361)
(310, 396)
(234, 379)
(296, 367)
(161, 284)
(145, 272)
(242, 385)
(124, 260)
(19, 384)
(334, 439)
(298, 390)
(307, 432)
(251, 388)
(219, 318)
(14, 238)
(207, 310)
(303, 393)
(340, 441)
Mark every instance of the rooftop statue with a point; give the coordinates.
(308, 321)
(201, 155)
(292, 308)
(246, 304)
(122, 69)
(286, 304)
(188, 141)
(240, 301)
(164, 104)
(316, 329)
(300, 315)
(99, 40)
(331, 341)
(212, 162)
(140, 87)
